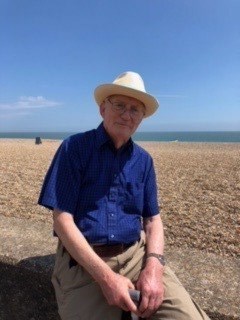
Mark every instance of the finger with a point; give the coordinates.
(124, 307)
(131, 285)
(151, 308)
(159, 300)
(130, 304)
(144, 304)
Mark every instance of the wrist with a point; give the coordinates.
(103, 275)
(152, 267)
(155, 257)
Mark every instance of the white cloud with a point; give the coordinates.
(11, 115)
(29, 103)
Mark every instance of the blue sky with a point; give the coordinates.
(54, 53)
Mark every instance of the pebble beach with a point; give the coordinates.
(198, 185)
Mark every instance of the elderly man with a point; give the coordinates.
(102, 189)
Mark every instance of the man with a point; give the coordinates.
(102, 189)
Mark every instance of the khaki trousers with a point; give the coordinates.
(79, 297)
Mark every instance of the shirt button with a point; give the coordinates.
(112, 235)
(112, 214)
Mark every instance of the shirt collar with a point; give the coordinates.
(102, 137)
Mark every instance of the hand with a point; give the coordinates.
(151, 286)
(115, 289)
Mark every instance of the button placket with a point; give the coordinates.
(112, 200)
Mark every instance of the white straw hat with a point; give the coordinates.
(128, 84)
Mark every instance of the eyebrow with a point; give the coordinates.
(140, 104)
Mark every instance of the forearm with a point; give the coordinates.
(153, 228)
(78, 247)
(150, 281)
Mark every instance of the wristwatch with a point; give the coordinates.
(160, 257)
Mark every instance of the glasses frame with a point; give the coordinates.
(135, 116)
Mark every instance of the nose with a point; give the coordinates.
(126, 114)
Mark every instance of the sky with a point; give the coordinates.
(53, 54)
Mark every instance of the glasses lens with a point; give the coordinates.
(120, 107)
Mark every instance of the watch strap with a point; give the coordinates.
(160, 257)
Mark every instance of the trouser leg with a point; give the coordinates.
(78, 296)
(177, 303)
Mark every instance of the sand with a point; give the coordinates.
(199, 189)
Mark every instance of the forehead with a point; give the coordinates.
(126, 99)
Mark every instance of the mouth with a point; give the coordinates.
(122, 124)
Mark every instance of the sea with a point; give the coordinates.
(157, 136)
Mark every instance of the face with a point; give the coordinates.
(121, 116)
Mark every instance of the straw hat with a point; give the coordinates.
(128, 84)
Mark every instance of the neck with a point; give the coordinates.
(117, 141)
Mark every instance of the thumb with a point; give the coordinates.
(131, 304)
(131, 285)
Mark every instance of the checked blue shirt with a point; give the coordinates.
(107, 191)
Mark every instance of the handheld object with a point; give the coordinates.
(136, 297)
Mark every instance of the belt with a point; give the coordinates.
(104, 251)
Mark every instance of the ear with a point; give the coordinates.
(102, 108)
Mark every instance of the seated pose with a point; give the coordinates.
(102, 189)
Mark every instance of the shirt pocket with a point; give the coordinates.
(133, 197)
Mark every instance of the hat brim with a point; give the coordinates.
(105, 90)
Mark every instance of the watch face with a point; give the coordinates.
(162, 260)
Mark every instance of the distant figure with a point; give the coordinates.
(38, 140)
(102, 189)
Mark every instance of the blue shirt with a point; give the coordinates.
(108, 191)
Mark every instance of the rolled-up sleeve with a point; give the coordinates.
(150, 192)
(62, 182)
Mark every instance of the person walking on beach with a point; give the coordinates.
(102, 189)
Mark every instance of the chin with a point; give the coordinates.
(124, 131)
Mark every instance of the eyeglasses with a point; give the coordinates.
(121, 107)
